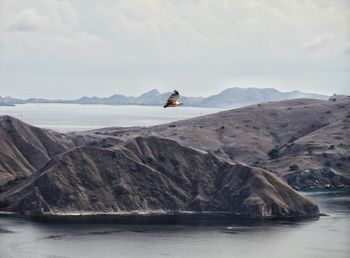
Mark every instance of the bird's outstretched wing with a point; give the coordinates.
(173, 99)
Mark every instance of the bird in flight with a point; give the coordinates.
(173, 100)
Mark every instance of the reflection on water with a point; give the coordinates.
(327, 237)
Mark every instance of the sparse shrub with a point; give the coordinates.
(4, 203)
(289, 145)
(172, 125)
(119, 190)
(222, 127)
(161, 158)
(328, 112)
(149, 160)
(259, 105)
(92, 143)
(331, 147)
(284, 125)
(292, 139)
(114, 155)
(175, 162)
(274, 153)
(339, 165)
(293, 167)
(327, 163)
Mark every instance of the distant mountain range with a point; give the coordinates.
(229, 98)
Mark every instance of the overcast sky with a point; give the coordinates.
(66, 49)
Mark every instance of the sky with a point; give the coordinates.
(68, 49)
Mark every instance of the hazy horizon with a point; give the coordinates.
(68, 49)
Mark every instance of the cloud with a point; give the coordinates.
(26, 20)
(201, 45)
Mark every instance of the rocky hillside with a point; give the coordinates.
(25, 149)
(152, 175)
(305, 141)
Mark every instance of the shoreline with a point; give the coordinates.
(152, 218)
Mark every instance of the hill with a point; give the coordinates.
(239, 97)
(152, 175)
(233, 161)
(25, 149)
(305, 141)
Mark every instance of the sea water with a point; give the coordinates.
(328, 236)
(75, 117)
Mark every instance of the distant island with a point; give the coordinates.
(229, 98)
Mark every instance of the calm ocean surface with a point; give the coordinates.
(327, 237)
(74, 117)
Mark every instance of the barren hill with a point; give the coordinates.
(25, 149)
(312, 135)
(152, 175)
